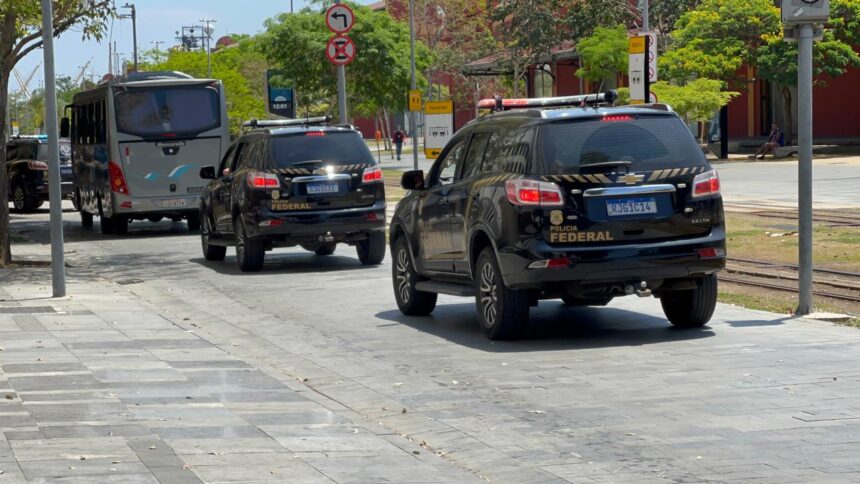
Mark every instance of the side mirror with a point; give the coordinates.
(412, 180)
(65, 128)
(207, 173)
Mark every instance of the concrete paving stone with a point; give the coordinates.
(80, 412)
(11, 473)
(210, 364)
(174, 475)
(28, 322)
(61, 382)
(140, 376)
(174, 333)
(315, 416)
(211, 432)
(334, 438)
(95, 468)
(402, 469)
(171, 355)
(19, 368)
(90, 430)
(114, 448)
(50, 396)
(146, 478)
(239, 445)
(137, 344)
(279, 397)
(253, 380)
(289, 470)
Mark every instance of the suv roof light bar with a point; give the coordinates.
(500, 104)
(279, 123)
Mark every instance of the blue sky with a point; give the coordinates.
(157, 20)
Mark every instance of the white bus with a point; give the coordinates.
(138, 143)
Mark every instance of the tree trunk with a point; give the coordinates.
(5, 239)
(516, 80)
(788, 129)
(388, 130)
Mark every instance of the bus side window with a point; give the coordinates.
(102, 123)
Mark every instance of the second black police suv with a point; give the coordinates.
(294, 182)
(562, 198)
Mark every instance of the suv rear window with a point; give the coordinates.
(648, 142)
(331, 147)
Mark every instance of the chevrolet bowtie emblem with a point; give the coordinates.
(630, 179)
(325, 170)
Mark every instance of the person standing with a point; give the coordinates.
(398, 137)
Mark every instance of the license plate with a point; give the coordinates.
(173, 203)
(631, 206)
(321, 188)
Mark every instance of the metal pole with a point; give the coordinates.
(134, 34)
(804, 167)
(58, 269)
(644, 16)
(341, 91)
(413, 125)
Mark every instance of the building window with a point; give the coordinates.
(543, 81)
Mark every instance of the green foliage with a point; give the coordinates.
(695, 101)
(528, 31)
(380, 74)
(241, 69)
(718, 38)
(603, 54)
(584, 17)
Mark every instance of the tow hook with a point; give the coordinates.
(643, 290)
(328, 237)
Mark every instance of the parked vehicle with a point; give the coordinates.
(294, 182)
(545, 199)
(27, 171)
(138, 143)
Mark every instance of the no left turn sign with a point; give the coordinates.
(340, 50)
(339, 18)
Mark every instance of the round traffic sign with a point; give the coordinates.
(340, 50)
(339, 18)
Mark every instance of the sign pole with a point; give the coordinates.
(55, 197)
(341, 89)
(804, 167)
(413, 125)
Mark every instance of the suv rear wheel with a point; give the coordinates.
(21, 199)
(250, 253)
(691, 308)
(210, 252)
(410, 301)
(502, 311)
(371, 251)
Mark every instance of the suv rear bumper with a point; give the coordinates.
(613, 264)
(340, 223)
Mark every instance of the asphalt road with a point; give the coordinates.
(589, 395)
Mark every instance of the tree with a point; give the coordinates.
(603, 54)
(696, 100)
(241, 68)
(379, 76)
(528, 31)
(20, 34)
(721, 36)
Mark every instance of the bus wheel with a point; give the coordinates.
(106, 224)
(120, 224)
(193, 221)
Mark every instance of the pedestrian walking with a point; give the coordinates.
(774, 141)
(398, 138)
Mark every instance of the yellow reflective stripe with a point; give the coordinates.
(603, 178)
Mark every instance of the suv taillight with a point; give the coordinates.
(117, 179)
(37, 165)
(533, 193)
(372, 175)
(263, 180)
(706, 184)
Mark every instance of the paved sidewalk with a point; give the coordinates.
(99, 387)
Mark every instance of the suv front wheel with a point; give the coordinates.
(502, 311)
(410, 301)
(691, 308)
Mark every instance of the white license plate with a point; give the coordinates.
(631, 206)
(320, 188)
(173, 203)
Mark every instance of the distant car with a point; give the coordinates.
(551, 199)
(288, 183)
(27, 171)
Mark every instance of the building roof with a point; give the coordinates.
(494, 65)
(378, 6)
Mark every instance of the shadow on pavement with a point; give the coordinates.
(760, 322)
(551, 326)
(288, 263)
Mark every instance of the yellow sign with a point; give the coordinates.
(432, 153)
(439, 107)
(636, 45)
(415, 100)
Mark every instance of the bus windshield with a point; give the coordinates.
(167, 111)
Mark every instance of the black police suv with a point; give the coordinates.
(294, 182)
(27, 171)
(562, 198)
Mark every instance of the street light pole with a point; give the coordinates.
(413, 125)
(58, 269)
(804, 167)
(208, 32)
(341, 90)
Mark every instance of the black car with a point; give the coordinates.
(288, 183)
(27, 171)
(562, 198)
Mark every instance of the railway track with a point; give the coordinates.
(828, 283)
(829, 217)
